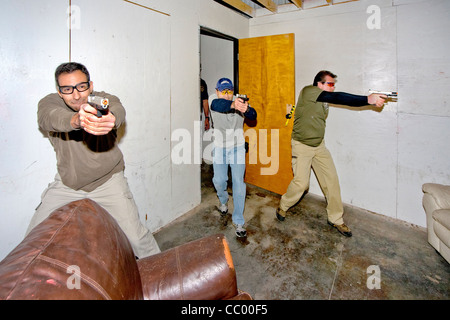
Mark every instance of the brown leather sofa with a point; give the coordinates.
(79, 252)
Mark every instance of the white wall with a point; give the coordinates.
(382, 158)
(30, 49)
(149, 59)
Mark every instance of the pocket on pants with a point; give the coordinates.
(294, 162)
(46, 190)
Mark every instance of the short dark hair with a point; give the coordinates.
(69, 67)
(320, 77)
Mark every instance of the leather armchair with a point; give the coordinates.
(80, 252)
(436, 202)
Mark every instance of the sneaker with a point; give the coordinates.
(281, 214)
(240, 230)
(223, 209)
(343, 229)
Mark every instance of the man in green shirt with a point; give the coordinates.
(309, 150)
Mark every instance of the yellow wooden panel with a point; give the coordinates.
(267, 76)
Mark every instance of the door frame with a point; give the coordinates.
(212, 33)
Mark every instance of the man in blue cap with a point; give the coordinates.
(227, 114)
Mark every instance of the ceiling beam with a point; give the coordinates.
(298, 3)
(316, 3)
(269, 5)
(241, 6)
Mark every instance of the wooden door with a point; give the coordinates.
(267, 76)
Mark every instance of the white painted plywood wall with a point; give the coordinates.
(28, 55)
(424, 111)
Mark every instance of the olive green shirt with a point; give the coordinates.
(310, 117)
(84, 161)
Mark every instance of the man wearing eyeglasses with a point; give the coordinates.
(309, 150)
(228, 113)
(89, 162)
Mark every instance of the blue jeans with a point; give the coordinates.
(235, 158)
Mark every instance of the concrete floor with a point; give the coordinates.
(304, 258)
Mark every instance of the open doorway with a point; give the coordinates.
(218, 59)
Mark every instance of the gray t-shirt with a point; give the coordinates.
(228, 127)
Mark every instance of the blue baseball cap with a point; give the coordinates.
(223, 84)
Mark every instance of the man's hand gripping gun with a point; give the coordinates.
(99, 103)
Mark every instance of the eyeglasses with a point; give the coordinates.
(227, 91)
(82, 86)
(330, 84)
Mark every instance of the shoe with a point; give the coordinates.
(343, 229)
(281, 214)
(223, 209)
(240, 230)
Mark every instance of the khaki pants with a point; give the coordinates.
(319, 158)
(115, 197)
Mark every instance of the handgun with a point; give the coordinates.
(99, 103)
(389, 94)
(243, 97)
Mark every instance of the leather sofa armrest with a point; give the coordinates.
(439, 193)
(199, 270)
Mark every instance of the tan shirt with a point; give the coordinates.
(84, 161)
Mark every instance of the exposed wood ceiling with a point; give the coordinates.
(254, 8)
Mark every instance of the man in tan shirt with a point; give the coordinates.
(89, 162)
